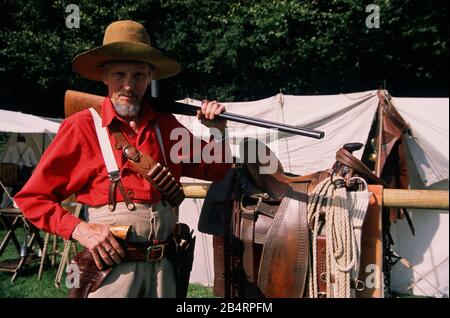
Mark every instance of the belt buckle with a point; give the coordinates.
(152, 248)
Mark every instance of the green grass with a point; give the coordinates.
(199, 291)
(27, 285)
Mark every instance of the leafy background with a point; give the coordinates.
(231, 50)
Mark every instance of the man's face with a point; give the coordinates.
(127, 83)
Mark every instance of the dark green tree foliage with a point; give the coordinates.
(232, 50)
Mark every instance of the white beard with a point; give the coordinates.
(127, 110)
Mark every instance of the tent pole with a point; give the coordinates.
(380, 134)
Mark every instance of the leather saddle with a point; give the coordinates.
(266, 246)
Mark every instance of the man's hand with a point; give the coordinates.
(100, 242)
(208, 112)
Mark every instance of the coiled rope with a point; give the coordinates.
(344, 214)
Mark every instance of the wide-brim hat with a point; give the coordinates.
(124, 41)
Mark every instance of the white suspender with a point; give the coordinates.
(105, 146)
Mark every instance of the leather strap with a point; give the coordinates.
(128, 202)
(248, 218)
(145, 252)
(267, 209)
(248, 237)
(286, 248)
(321, 266)
(346, 158)
(153, 171)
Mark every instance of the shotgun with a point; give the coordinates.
(75, 101)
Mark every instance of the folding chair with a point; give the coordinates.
(72, 206)
(31, 237)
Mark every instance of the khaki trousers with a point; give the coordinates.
(138, 279)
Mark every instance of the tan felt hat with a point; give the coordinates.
(124, 41)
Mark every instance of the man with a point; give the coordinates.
(126, 63)
(21, 154)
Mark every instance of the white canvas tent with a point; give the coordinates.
(347, 118)
(428, 250)
(38, 131)
(11, 121)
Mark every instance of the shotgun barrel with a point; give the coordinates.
(75, 101)
(166, 106)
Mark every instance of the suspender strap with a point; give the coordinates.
(21, 159)
(110, 163)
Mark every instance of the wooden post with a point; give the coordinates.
(371, 268)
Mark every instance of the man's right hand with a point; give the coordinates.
(100, 242)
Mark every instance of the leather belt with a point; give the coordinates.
(147, 252)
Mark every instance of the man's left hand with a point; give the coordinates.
(208, 112)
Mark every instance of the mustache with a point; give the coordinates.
(128, 94)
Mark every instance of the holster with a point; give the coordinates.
(180, 252)
(182, 257)
(90, 277)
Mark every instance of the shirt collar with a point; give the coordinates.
(109, 113)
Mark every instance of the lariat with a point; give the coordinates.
(344, 214)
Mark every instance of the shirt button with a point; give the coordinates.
(130, 193)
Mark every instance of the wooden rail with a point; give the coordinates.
(415, 199)
(392, 198)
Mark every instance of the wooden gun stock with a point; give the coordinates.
(120, 231)
(75, 101)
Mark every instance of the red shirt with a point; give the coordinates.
(73, 163)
